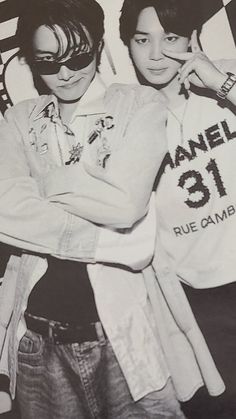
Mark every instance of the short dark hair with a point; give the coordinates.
(178, 16)
(69, 15)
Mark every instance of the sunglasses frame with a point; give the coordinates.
(53, 67)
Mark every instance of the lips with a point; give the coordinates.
(69, 85)
(157, 71)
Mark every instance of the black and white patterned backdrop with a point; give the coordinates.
(218, 39)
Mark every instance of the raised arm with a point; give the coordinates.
(199, 70)
(228, 66)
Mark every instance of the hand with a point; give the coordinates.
(197, 69)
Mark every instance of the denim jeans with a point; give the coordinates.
(82, 381)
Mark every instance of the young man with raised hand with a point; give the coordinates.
(196, 194)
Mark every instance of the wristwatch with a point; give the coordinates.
(226, 86)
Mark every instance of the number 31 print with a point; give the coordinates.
(199, 186)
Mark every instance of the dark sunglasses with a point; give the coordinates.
(75, 63)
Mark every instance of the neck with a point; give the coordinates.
(174, 93)
(66, 110)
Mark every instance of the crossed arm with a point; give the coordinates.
(80, 195)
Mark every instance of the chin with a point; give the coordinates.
(69, 96)
(68, 99)
(159, 79)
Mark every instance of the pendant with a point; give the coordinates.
(103, 153)
(102, 124)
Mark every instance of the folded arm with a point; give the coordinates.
(28, 221)
(118, 195)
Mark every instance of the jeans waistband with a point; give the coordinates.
(64, 333)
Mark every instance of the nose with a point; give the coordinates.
(156, 51)
(65, 73)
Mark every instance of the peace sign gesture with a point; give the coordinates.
(197, 69)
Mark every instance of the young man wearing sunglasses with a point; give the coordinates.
(70, 160)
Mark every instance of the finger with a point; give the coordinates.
(195, 46)
(182, 56)
(186, 84)
(189, 73)
(185, 71)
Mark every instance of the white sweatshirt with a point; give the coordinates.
(196, 197)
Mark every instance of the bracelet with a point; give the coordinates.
(226, 86)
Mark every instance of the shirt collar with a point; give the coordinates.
(93, 100)
(91, 103)
(46, 107)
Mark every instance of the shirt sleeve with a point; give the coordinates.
(227, 65)
(28, 221)
(133, 247)
(119, 195)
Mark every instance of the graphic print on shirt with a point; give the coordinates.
(196, 173)
(212, 137)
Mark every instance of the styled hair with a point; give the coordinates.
(70, 15)
(178, 16)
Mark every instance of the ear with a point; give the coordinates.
(100, 47)
(189, 46)
(99, 52)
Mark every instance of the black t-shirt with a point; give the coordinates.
(64, 293)
(5, 252)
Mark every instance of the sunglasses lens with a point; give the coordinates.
(75, 63)
(80, 61)
(46, 67)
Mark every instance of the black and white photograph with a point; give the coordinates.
(117, 209)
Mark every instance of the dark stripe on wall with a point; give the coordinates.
(231, 12)
(3, 92)
(210, 8)
(8, 43)
(9, 9)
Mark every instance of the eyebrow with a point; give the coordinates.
(140, 33)
(40, 51)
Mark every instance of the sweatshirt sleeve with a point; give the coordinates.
(226, 65)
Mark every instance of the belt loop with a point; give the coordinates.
(100, 332)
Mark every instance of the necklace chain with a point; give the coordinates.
(181, 120)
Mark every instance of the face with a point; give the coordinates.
(68, 85)
(146, 49)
